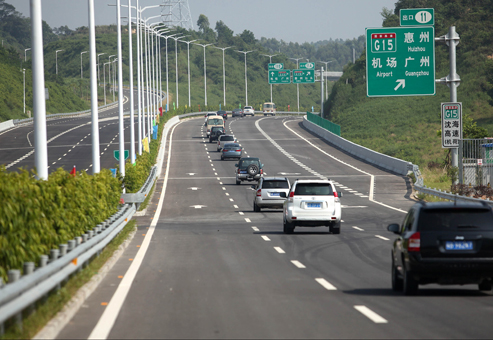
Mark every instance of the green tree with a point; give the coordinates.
(203, 23)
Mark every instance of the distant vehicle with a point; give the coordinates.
(214, 121)
(248, 169)
(216, 132)
(268, 193)
(208, 114)
(237, 113)
(223, 140)
(444, 243)
(269, 109)
(248, 110)
(231, 150)
(223, 114)
(312, 203)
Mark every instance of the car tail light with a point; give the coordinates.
(336, 197)
(238, 170)
(261, 171)
(293, 218)
(238, 150)
(291, 194)
(414, 242)
(259, 192)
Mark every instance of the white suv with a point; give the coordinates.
(312, 203)
(248, 110)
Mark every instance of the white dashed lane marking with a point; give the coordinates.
(325, 284)
(370, 314)
(298, 264)
(279, 250)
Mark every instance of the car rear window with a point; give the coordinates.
(231, 146)
(214, 121)
(455, 219)
(314, 189)
(246, 162)
(275, 184)
(227, 138)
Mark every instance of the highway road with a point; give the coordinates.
(204, 265)
(69, 141)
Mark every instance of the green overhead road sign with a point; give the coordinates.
(307, 66)
(279, 76)
(116, 154)
(400, 61)
(276, 66)
(417, 17)
(303, 76)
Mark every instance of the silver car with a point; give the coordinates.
(231, 150)
(268, 193)
(248, 110)
(223, 139)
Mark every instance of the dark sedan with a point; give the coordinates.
(231, 150)
(223, 114)
(237, 113)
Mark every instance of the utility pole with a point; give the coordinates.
(246, 81)
(205, 72)
(297, 85)
(270, 61)
(94, 90)
(224, 74)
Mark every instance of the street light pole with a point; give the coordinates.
(326, 69)
(81, 71)
(270, 61)
(167, 84)
(188, 58)
(205, 72)
(297, 85)
(25, 55)
(176, 65)
(99, 77)
(56, 60)
(246, 81)
(24, 76)
(104, 80)
(121, 139)
(224, 74)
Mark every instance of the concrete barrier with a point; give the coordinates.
(6, 125)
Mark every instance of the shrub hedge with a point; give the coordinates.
(38, 215)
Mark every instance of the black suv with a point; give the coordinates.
(248, 169)
(216, 131)
(443, 243)
(223, 114)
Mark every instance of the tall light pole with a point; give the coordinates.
(121, 136)
(56, 60)
(270, 61)
(131, 79)
(326, 69)
(104, 80)
(39, 99)
(205, 71)
(94, 90)
(113, 78)
(176, 64)
(81, 71)
(224, 74)
(297, 85)
(25, 54)
(99, 77)
(246, 82)
(167, 85)
(188, 56)
(24, 76)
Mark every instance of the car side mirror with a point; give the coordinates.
(283, 195)
(339, 194)
(395, 228)
(236, 165)
(261, 165)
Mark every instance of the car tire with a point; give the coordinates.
(397, 283)
(410, 285)
(256, 208)
(238, 182)
(335, 228)
(222, 158)
(288, 228)
(485, 286)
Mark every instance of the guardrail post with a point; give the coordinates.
(29, 269)
(14, 275)
(63, 249)
(43, 261)
(54, 253)
(71, 245)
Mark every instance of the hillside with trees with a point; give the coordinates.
(406, 127)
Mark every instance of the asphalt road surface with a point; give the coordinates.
(69, 141)
(207, 266)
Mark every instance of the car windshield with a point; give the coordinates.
(227, 138)
(268, 106)
(221, 112)
(314, 189)
(246, 162)
(455, 219)
(214, 121)
(275, 184)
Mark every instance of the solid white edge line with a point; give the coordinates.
(372, 178)
(370, 314)
(325, 284)
(107, 320)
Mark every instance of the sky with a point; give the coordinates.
(289, 20)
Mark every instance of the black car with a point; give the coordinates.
(223, 114)
(237, 113)
(443, 243)
(216, 131)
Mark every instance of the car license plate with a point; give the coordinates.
(275, 194)
(313, 205)
(459, 245)
(242, 172)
